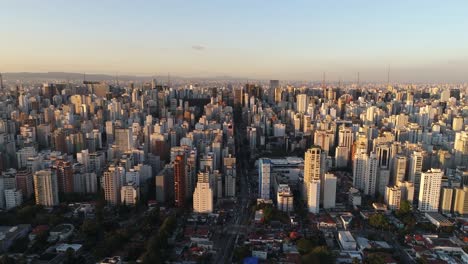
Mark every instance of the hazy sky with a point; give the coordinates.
(420, 40)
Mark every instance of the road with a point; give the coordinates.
(231, 231)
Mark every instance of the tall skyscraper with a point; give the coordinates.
(123, 139)
(370, 176)
(64, 172)
(393, 197)
(415, 169)
(179, 181)
(345, 137)
(46, 188)
(399, 169)
(461, 201)
(359, 168)
(24, 182)
(302, 101)
(312, 176)
(264, 179)
(446, 200)
(112, 185)
(429, 191)
(329, 191)
(203, 194)
(284, 198)
(129, 194)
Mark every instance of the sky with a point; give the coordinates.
(419, 40)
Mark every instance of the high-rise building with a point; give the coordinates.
(46, 188)
(313, 197)
(13, 198)
(312, 176)
(123, 139)
(112, 185)
(457, 123)
(383, 155)
(129, 194)
(407, 191)
(415, 168)
(203, 194)
(85, 182)
(429, 191)
(329, 191)
(341, 156)
(359, 168)
(24, 182)
(230, 181)
(461, 201)
(264, 178)
(345, 137)
(370, 176)
(179, 181)
(64, 172)
(324, 139)
(399, 169)
(284, 198)
(393, 197)
(446, 200)
(302, 101)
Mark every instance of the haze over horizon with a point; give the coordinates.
(420, 41)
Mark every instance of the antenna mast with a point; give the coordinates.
(388, 75)
(323, 81)
(358, 80)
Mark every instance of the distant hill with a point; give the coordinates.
(98, 77)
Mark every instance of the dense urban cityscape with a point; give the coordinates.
(229, 172)
(233, 132)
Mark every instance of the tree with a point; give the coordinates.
(318, 255)
(374, 258)
(378, 221)
(405, 208)
(304, 246)
(5, 259)
(90, 228)
(19, 245)
(241, 252)
(323, 254)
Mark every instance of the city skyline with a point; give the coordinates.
(418, 41)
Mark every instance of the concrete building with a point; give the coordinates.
(13, 198)
(429, 192)
(179, 181)
(313, 196)
(407, 191)
(312, 176)
(393, 197)
(284, 198)
(46, 188)
(329, 191)
(64, 172)
(24, 182)
(264, 179)
(85, 182)
(461, 201)
(346, 240)
(203, 194)
(415, 169)
(446, 200)
(359, 168)
(112, 185)
(129, 194)
(370, 176)
(341, 156)
(399, 169)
